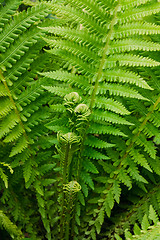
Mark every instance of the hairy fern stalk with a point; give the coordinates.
(105, 47)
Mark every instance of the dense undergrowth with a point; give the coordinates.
(79, 119)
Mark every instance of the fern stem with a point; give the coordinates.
(102, 62)
(64, 217)
(2, 78)
(99, 75)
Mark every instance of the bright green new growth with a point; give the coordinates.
(68, 146)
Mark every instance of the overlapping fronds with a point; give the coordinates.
(21, 96)
(104, 108)
(101, 51)
(23, 113)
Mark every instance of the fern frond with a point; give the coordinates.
(129, 60)
(130, 44)
(18, 49)
(112, 105)
(21, 22)
(15, 134)
(75, 35)
(139, 158)
(8, 123)
(99, 116)
(11, 228)
(7, 11)
(102, 60)
(134, 28)
(127, 4)
(103, 129)
(139, 12)
(119, 90)
(21, 95)
(94, 154)
(120, 75)
(60, 91)
(148, 145)
(93, 141)
(64, 76)
(80, 16)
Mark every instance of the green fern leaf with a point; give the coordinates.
(137, 229)
(58, 108)
(127, 4)
(129, 60)
(148, 145)
(4, 177)
(10, 227)
(101, 216)
(155, 118)
(20, 23)
(72, 79)
(110, 199)
(9, 122)
(134, 172)
(152, 215)
(91, 153)
(60, 91)
(124, 178)
(98, 116)
(7, 11)
(89, 166)
(116, 191)
(112, 105)
(87, 179)
(27, 169)
(129, 44)
(107, 208)
(140, 159)
(6, 107)
(102, 129)
(120, 90)
(84, 189)
(39, 188)
(97, 143)
(139, 13)
(145, 224)
(17, 131)
(120, 75)
(134, 28)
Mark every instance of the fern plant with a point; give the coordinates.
(79, 133)
(102, 51)
(23, 114)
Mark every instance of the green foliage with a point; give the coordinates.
(104, 59)
(147, 232)
(10, 227)
(22, 117)
(79, 119)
